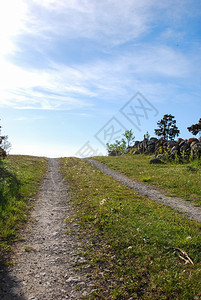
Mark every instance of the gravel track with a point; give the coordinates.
(44, 263)
(185, 207)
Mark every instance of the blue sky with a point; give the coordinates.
(75, 74)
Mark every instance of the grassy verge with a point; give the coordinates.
(135, 244)
(176, 179)
(20, 178)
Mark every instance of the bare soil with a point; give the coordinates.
(44, 263)
(185, 207)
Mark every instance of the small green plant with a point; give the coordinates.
(147, 136)
(145, 179)
(166, 154)
(29, 249)
(184, 157)
(119, 147)
(176, 158)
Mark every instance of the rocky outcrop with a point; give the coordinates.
(168, 149)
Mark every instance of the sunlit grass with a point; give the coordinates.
(20, 178)
(175, 179)
(134, 241)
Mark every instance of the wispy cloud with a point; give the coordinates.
(64, 87)
(107, 22)
(59, 85)
(58, 88)
(90, 19)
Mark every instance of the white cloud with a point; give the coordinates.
(162, 61)
(111, 22)
(12, 17)
(64, 87)
(104, 21)
(52, 89)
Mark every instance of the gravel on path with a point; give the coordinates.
(44, 262)
(185, 207)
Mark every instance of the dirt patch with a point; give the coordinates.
(44, 263)
(186, 208)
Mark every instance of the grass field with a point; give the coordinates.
(20, 178)
(175, 179)
(138, 249)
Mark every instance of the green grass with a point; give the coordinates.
(133, 242)
(20, 178)
(175, 179)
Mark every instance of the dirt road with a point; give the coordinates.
(185, 207)
(44, 263)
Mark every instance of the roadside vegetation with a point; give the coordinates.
(20, 178)
(174, 178)
(138, 249)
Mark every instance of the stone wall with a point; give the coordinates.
(160, 147)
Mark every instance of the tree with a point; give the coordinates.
(5, 145)
(117, 148)
(167, 128)
(195, 128)
(128, 134)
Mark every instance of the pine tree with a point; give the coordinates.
(195, 128)
(167, 128)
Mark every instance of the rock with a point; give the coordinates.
(175, 148)
(179, 140)
(191, 140)
(136, 144)
(73, 279)
(128, 149)
(192, 169)
(195, 150)
(151, 146)
(181, 143)
(185, 147)
(136, 152)
(171, 144)
(174, 152)
(153, 139)
(113, 153)
(160, 156)
(156, 161)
